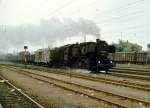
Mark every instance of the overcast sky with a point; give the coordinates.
(113, 19)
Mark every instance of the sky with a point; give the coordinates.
(43, 23)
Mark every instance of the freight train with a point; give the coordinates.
(130, 57)
(87, 55)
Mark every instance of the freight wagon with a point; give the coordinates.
(42, 56)
(130, 57)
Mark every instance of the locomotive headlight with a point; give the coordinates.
(99, 62)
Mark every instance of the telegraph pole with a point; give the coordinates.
(121, 35)
(2, 28)
(25, 56)
(84, 37)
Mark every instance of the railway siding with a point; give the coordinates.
(99, 93)
(50, 93)
(141, 74)
(12, 97)
(93, 85)
(101, 78)
(122, 80)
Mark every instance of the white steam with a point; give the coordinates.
(48, 32)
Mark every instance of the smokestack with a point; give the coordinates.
(97, 40)
(98, 35)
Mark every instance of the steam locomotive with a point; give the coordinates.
(87, 55)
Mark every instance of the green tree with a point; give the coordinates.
(148, 46)
(125, 46)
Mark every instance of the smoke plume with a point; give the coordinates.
(49, 31)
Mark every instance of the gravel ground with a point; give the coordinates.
(100, 75)
(49, 95)
(102, 86)
(10, 98)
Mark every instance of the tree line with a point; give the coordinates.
(126, 46)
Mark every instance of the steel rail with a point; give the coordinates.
(87, 87)
(73, 90)
(104, 80)
(130, 72)
(132, 69)
(21, 92)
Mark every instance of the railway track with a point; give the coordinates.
(142, 70)
(108, 97)
(12, 97)
(134, 73)
(102, 79)
(130, 72)
(142, 74)
(134, 66)
(98, 78)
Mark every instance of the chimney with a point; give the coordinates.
(97, 40)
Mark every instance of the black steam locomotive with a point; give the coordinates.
(89, 55)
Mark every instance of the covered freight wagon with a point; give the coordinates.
(42, 56)
(130, 57)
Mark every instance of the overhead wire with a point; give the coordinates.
(106, 20)
(127, 15)
(61, 7)
(58, 12)
(130, 15)
(134, 13)
(127, 6)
